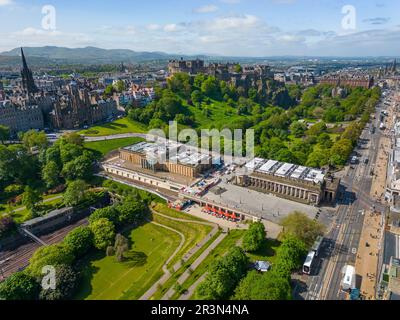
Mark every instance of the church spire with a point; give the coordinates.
(28, 84)
(24, 64)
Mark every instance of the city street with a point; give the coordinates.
(343, 240)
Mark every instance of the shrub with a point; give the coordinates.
(79, 241)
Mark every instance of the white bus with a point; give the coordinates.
(348, 282)
(317, 245)
(307, 266)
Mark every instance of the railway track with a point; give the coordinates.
(18, 259)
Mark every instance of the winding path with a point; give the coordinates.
(167, 274)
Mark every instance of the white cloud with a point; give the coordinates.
(230, 35)
(210, 39)
(171, 27)
(291, 38)
(37, 32)
(233, 22)
(40, 37)
(153, 27)
(206, 9)
(6, 2)
(230, 1)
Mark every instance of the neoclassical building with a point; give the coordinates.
(170, 158)
(293, 182)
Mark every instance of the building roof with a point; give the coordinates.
(172, 151)
(262, 265)
(288, 170)
(51, 214)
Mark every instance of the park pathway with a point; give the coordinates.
(44, 201)
(167, 274)
(194, 265)
(189, 293)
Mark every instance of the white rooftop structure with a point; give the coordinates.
(175, 151)
(267, 167)
(293, 171)
(315, 175)
(255, 163)
(284, 169)
(298, 172)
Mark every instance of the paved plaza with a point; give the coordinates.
(255, 203)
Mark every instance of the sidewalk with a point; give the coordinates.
(186, 257)
(194, 266)
(367, 255)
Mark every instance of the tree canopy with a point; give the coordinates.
(301, 226)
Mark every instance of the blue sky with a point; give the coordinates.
(223, 27)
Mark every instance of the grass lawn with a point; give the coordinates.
(162, 208)
(267, 252)
(174, 278)
(106, 279)
(229, 242)
(220, 114)
(123, 125)
(107, 146)
(193, 233)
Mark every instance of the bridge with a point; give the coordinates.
(25, 232)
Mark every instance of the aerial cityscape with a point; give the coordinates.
(200, 150)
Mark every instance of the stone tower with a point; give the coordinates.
(28, 84)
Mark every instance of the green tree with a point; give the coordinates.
(79, 241)
(253, 94)
(66, 282)
(73, 138)
(254, 237)
(6, 224)
(341, 151)
(69, 152)
(111, 213)
(109, 90)
(19, 286)
(301, 226)
(120, 86)
(211, 88)
(318, 158)
(53, 154)
(31, 198)
(75, 193)
(131, 210)
(53, 255)
(196, 97)
(238, 68)
(4, 133)
(298, 128)
(266, 286)
(32, 139)
(325, 141)
(79, 168)
(51, 174)
(223, 276)
(103, 232)
(290, 256)
(317, 129)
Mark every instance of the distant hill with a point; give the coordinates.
(52, 55)
(87, 55)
